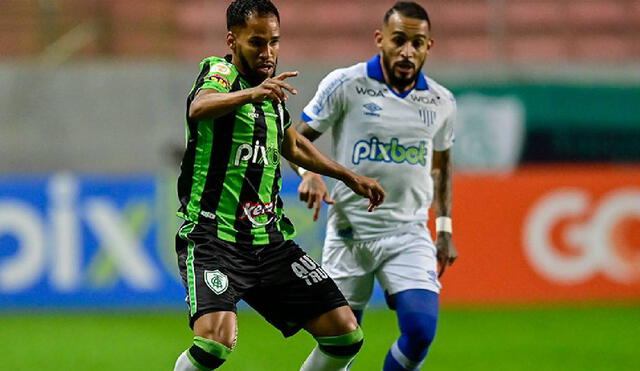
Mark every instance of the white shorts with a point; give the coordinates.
(400, 262)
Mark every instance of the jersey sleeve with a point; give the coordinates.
(445, 137)
(327, 106)
(216, 75)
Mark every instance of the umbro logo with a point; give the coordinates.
(372, 109)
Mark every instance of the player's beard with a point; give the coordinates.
(400, 82)
(254, 77)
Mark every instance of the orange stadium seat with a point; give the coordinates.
(19, 33)
(534, 16)
(201, 17)
(19, 38)
(456, 17)
(191, 18)
(326, 50)
(599, 15)
(142, 12)
(132, 41)
(335, 30)
(311, 16)
(604, 48)
(463, 48)
(536, 48)
(633, 10)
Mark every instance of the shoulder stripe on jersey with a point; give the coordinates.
(185, 182)
(206, 67)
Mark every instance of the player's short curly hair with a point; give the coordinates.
(240, 10)
(408, 9)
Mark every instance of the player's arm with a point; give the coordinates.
(324, 110)
(299, 150)
(442, 173)
(308, 132)
(210, 103)
(312, 188)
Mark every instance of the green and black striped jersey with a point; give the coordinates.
(230, 173)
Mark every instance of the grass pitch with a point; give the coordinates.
(578, 338)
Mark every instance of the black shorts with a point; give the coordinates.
(280, 281)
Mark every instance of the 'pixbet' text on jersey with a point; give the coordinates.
(375, 150)
(257, 154)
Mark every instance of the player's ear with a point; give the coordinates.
(231, 40)
(377, 36)
(430, 44)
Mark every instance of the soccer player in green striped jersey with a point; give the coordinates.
(236, 242)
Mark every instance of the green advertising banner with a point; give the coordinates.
(571, 123)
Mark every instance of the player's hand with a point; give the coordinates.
(368, 188)
(313, 191)
(273, 89)
(447, 253)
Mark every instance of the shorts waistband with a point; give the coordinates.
(398, 231)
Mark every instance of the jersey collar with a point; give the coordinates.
(374, 71)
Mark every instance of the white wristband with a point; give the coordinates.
(301, 171)
(443, 224)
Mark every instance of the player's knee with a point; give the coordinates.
(351, 324)
(420, 328)
(225, 338)
(208, 354)
(342, 346)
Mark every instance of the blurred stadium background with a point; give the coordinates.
(547, 189)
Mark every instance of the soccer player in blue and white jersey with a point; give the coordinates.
(392, 123)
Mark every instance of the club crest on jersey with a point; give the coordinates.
(221, 68)
(252, 211)
(427, 116)
(257, 154)
(372, 109)
(375, 150)
(217, 281)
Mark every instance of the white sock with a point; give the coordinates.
(402, 360)
(320, 361)
(184, 363)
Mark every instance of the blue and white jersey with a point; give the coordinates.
(386, 136)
